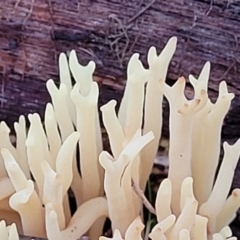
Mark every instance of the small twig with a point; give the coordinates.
(92, 54)
(183, 50)
(116, 50)
(16, 4)
(141, 11)
(52, 32)
(25, 59)
(3, 86)
(210, 8)
(229, 2)
(118, 34)
(29, 13)
(50, 7)
(140, 4)
(134, 43)
(115, 41)
(123, 28)
(125, 48)
(226, 72)
(141, 195)
(130, 51)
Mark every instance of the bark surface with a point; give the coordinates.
(34, 32)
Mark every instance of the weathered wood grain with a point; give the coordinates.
(34, 32)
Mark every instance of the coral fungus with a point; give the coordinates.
(67, 152)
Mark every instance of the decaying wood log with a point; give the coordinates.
(30, 238)
(33, 33)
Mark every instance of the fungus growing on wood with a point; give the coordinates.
(35, 176)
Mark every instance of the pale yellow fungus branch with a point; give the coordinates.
(37, 132)
(135, 229)
(184, 234)
(8, 232)
(6, 187)
(52, 192)
(123, 203)
(221, 188)
(21, 135)
(64, 160)
(113, 127)
(136, 78)
(15, 173)
(163, 200)
(158, 66)
(34, 144)
(122, 208)
(65, 78)
(186, 191)
(12, 232)
(3, 230)
(133, 232)
(229, 209)
(27, 203)
(5, 143)
(82, 74)
(91, 172)
(202, 82)
(200, 228)
(186, 218)
(181, 118)
(205, 155)
(132, 150)
(80, 223)
(64, 168)
(59, 101)
(52, 132)
(160, 229)
(226, 232)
